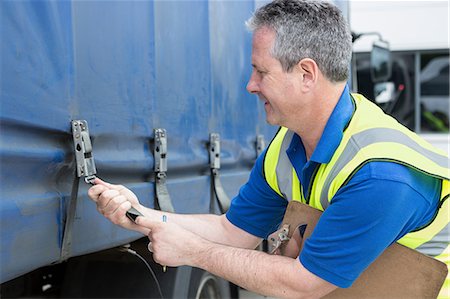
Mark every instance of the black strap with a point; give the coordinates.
(162, 197)
(70, 217)
(220, 194)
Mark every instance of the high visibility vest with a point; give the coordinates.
(370, 136)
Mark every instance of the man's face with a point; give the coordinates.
(276, 88)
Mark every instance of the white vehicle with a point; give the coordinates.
(417, 92)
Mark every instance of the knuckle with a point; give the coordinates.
(112, 193)
(103, 197)
(116, 200)
(94, 192)
(124, 206)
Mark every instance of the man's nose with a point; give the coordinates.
(252, 85)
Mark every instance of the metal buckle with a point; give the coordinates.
(83, 151)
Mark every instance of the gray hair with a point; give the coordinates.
(307, 29)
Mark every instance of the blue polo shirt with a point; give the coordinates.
(381, 203)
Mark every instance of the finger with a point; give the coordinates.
(122, 189)
(146, 222)
(116, 187)
(99, 181)
(105, 198)
(118, 215)
(95, 191)
(108, 185)
(113, 205)
(127, 193)
(150, 247)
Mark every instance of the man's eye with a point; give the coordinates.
(259, 72)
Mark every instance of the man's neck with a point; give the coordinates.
(310, 128)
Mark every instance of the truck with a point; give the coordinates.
(124, 69)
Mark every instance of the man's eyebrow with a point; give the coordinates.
(257, 68)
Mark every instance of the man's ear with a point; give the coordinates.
(309, 72)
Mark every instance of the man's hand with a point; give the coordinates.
(113, 201)
(171, 244)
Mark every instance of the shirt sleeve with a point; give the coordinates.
(257, 209)
(379, 205)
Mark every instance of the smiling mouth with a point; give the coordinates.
(262, 99)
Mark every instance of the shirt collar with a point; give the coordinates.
(334, 129)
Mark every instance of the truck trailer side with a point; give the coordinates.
(127, 68)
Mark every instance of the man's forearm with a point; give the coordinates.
(208, 226)
(260, 272)
(272, 275)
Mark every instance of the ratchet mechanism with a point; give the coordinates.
(83, 151)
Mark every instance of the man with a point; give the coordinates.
(327, 154)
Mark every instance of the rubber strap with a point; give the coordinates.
(162, 197)
(70, 217)
(221, 196)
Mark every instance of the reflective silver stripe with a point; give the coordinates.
(371, 136)
(284, 168)
(437, 244)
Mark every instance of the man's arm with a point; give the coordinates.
(114, 200)
(215, 228)
(270, 275)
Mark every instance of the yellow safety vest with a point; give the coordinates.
(370, 136)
